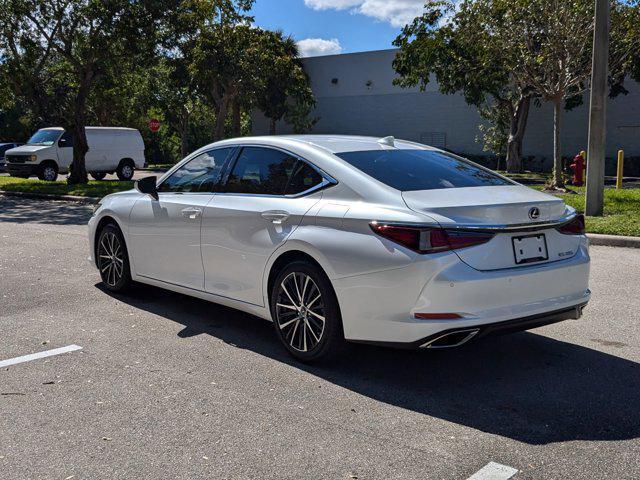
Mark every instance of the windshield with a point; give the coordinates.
(408, 170)
(44, 137)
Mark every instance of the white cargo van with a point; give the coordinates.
(50, 151)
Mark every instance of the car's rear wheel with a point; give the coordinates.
(112, 259)
(98, 175)
(305, 312)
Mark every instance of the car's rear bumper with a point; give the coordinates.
(457, 337)
(381, 307)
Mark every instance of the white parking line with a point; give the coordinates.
(494, 471)
(36, 356)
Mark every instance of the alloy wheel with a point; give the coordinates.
(111, 259)
(300, 312)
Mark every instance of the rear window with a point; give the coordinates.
(408, 170)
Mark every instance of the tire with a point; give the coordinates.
(98, 175)
(301, 330)
(112, 259)
(125, 170)
(48, 171)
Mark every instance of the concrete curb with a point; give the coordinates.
(49, 196)
(613, 240)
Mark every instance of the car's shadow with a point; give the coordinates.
(25, 210)
(526, 386)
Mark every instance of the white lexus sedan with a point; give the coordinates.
(338, 238)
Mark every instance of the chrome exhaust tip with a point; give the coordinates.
(452, 339)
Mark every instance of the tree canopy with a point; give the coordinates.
(501, 54)
(191, 63)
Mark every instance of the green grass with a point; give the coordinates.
(621, 211)
(91, 189)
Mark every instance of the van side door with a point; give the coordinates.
(65, 151)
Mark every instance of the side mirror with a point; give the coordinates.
(147, 185)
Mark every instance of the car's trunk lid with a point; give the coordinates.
(501, 208)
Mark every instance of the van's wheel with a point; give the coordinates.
(112, 259)
(305, 313)
(125, 170)
(98, 175)
(48, 171)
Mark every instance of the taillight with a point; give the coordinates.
(574, 227)
(428, 239)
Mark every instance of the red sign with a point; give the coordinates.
(154, 125)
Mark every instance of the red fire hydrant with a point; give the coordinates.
(578, 166)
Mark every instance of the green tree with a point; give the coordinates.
(467, 48)
(284, 91)
(503, 54)
(84, 40)
(205, 58)
(554, 53)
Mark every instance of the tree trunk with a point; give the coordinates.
(517, 125)
(236, 117)
(184, 135)
(77, 170)
(272, 126)
(221, 118)
(558, 178)
(184, 139)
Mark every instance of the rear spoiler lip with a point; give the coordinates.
(516, 227)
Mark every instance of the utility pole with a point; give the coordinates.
(598, 110)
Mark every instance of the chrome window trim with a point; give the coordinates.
(316, 188)
(327, 180)
(516, 227)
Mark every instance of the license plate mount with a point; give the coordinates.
(530, 248)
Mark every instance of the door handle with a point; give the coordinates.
(191, 213)
(275, 216)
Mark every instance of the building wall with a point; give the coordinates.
(355, 95)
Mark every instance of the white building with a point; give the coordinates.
(355, 95)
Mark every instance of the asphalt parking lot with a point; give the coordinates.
(166, 386)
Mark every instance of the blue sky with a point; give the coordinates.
(337, 26)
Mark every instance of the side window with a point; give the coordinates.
(66, 140)
(303, 178)
(261, 171)
(200, 174)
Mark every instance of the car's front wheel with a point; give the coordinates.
(112, 259)
(48, 171)
(305, 312)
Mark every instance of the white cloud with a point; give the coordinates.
(396, 12)
(314, 47)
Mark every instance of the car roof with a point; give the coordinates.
(336, 143)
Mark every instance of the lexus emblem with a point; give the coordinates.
(534, 213)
